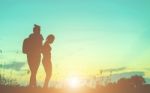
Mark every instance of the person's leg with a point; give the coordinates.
(33, 78)
(35, 68)
(48, 71)
(34, 63)
(30, 63)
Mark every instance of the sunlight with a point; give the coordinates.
(74, 82)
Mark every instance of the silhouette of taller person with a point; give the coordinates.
(32, 46)
(46, 51)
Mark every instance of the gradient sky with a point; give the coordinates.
(90, 34)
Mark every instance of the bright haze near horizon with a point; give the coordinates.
(91, 35)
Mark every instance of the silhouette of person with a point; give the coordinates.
(34, 53)
(47, 63)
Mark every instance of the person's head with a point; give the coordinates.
(36, 29)
(50, 38)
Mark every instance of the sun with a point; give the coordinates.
(73, 82)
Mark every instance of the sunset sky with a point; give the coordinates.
(91, 35)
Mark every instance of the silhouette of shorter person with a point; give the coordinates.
(32, 48)
(47, 63)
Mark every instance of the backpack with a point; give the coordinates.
(26, 45)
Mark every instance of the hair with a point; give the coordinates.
(50, 37)
(36, 27)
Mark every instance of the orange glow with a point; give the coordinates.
(73, 82)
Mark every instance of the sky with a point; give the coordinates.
(91, 35)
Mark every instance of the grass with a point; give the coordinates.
(135, 84)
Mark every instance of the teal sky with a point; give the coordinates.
(97, 34)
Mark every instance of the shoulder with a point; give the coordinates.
(36, 36)
(31, 36)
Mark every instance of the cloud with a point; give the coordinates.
(14, 66)
(1, 51)
(114, 69)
